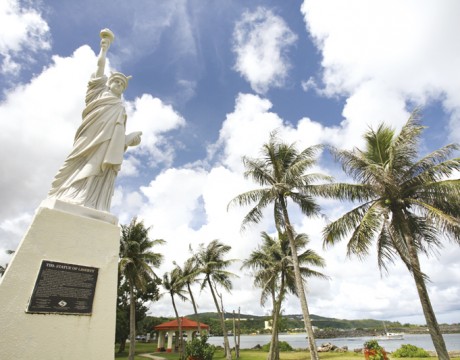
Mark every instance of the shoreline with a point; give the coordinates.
(336, 333)
(298, 341)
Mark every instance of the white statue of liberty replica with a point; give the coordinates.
(58, 294)
(88, 175)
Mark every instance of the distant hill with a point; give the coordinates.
(326, 327)
(228, 315)
(325, 322)
(318, 321)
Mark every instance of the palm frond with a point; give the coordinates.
(248, 197)
(404, 148)
(435, 172)
(355, 164)
(368, 228)
(257, 171)
(425, 232)
(385, 247)
(272, 264)
(299, 162)
(435, 157)
(340, 228)
(311, 257)
(445, 223)
(378, 144)
(444, 195)
(401, 221)
(311, 179)
(255, 214)
(136, 255)
(212, 265)
(306, 203)
(344, 191)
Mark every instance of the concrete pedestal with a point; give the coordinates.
(69, 234)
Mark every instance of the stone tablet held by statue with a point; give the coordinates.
(88, 175)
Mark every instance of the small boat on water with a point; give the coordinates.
(389, 335)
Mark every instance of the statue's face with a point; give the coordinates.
(116, 86)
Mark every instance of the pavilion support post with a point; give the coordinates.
(190, 335)
(170, 340)
(161, 341)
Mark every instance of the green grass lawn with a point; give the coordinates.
(150, 348)
(141, 348)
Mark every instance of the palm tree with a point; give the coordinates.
(212, 265)
(274, 274)
(174, 285)
(406, 204)
(281, 171)
(136, 262)
(190, 272)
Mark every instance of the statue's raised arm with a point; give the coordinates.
(107, 38)
(88, 175)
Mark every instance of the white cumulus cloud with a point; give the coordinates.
(261, 43)
(385, 57)
(23, 32)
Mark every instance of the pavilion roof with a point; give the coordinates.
(186, 323)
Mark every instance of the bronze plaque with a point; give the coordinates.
(64, 289)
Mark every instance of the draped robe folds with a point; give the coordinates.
(88, 175)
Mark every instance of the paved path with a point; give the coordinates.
(150, 356)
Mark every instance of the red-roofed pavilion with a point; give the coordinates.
(170, 328)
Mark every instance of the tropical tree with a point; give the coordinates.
(273, 271)
(174, 285)
(3, 268)
(135, 265)
(211, 263)
(150, 293)
(407, 204)
(282, 172)
(190, 273)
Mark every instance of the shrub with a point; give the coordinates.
(283, 346)
(373, 351)
(410, 351)
(199, 349)
(372, 345)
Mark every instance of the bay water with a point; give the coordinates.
(299, 341)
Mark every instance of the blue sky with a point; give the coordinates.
(211, 80)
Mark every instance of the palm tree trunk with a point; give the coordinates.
(132, 322)
(228, 353)
(299, 283)
(432, 323)
(122, 346)
(179, 324)
(237, 346)
(273, 353)
(278, 313)
(194, 308)
(270, 355)
(223, 321)
(430, 317)
(234, 335)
